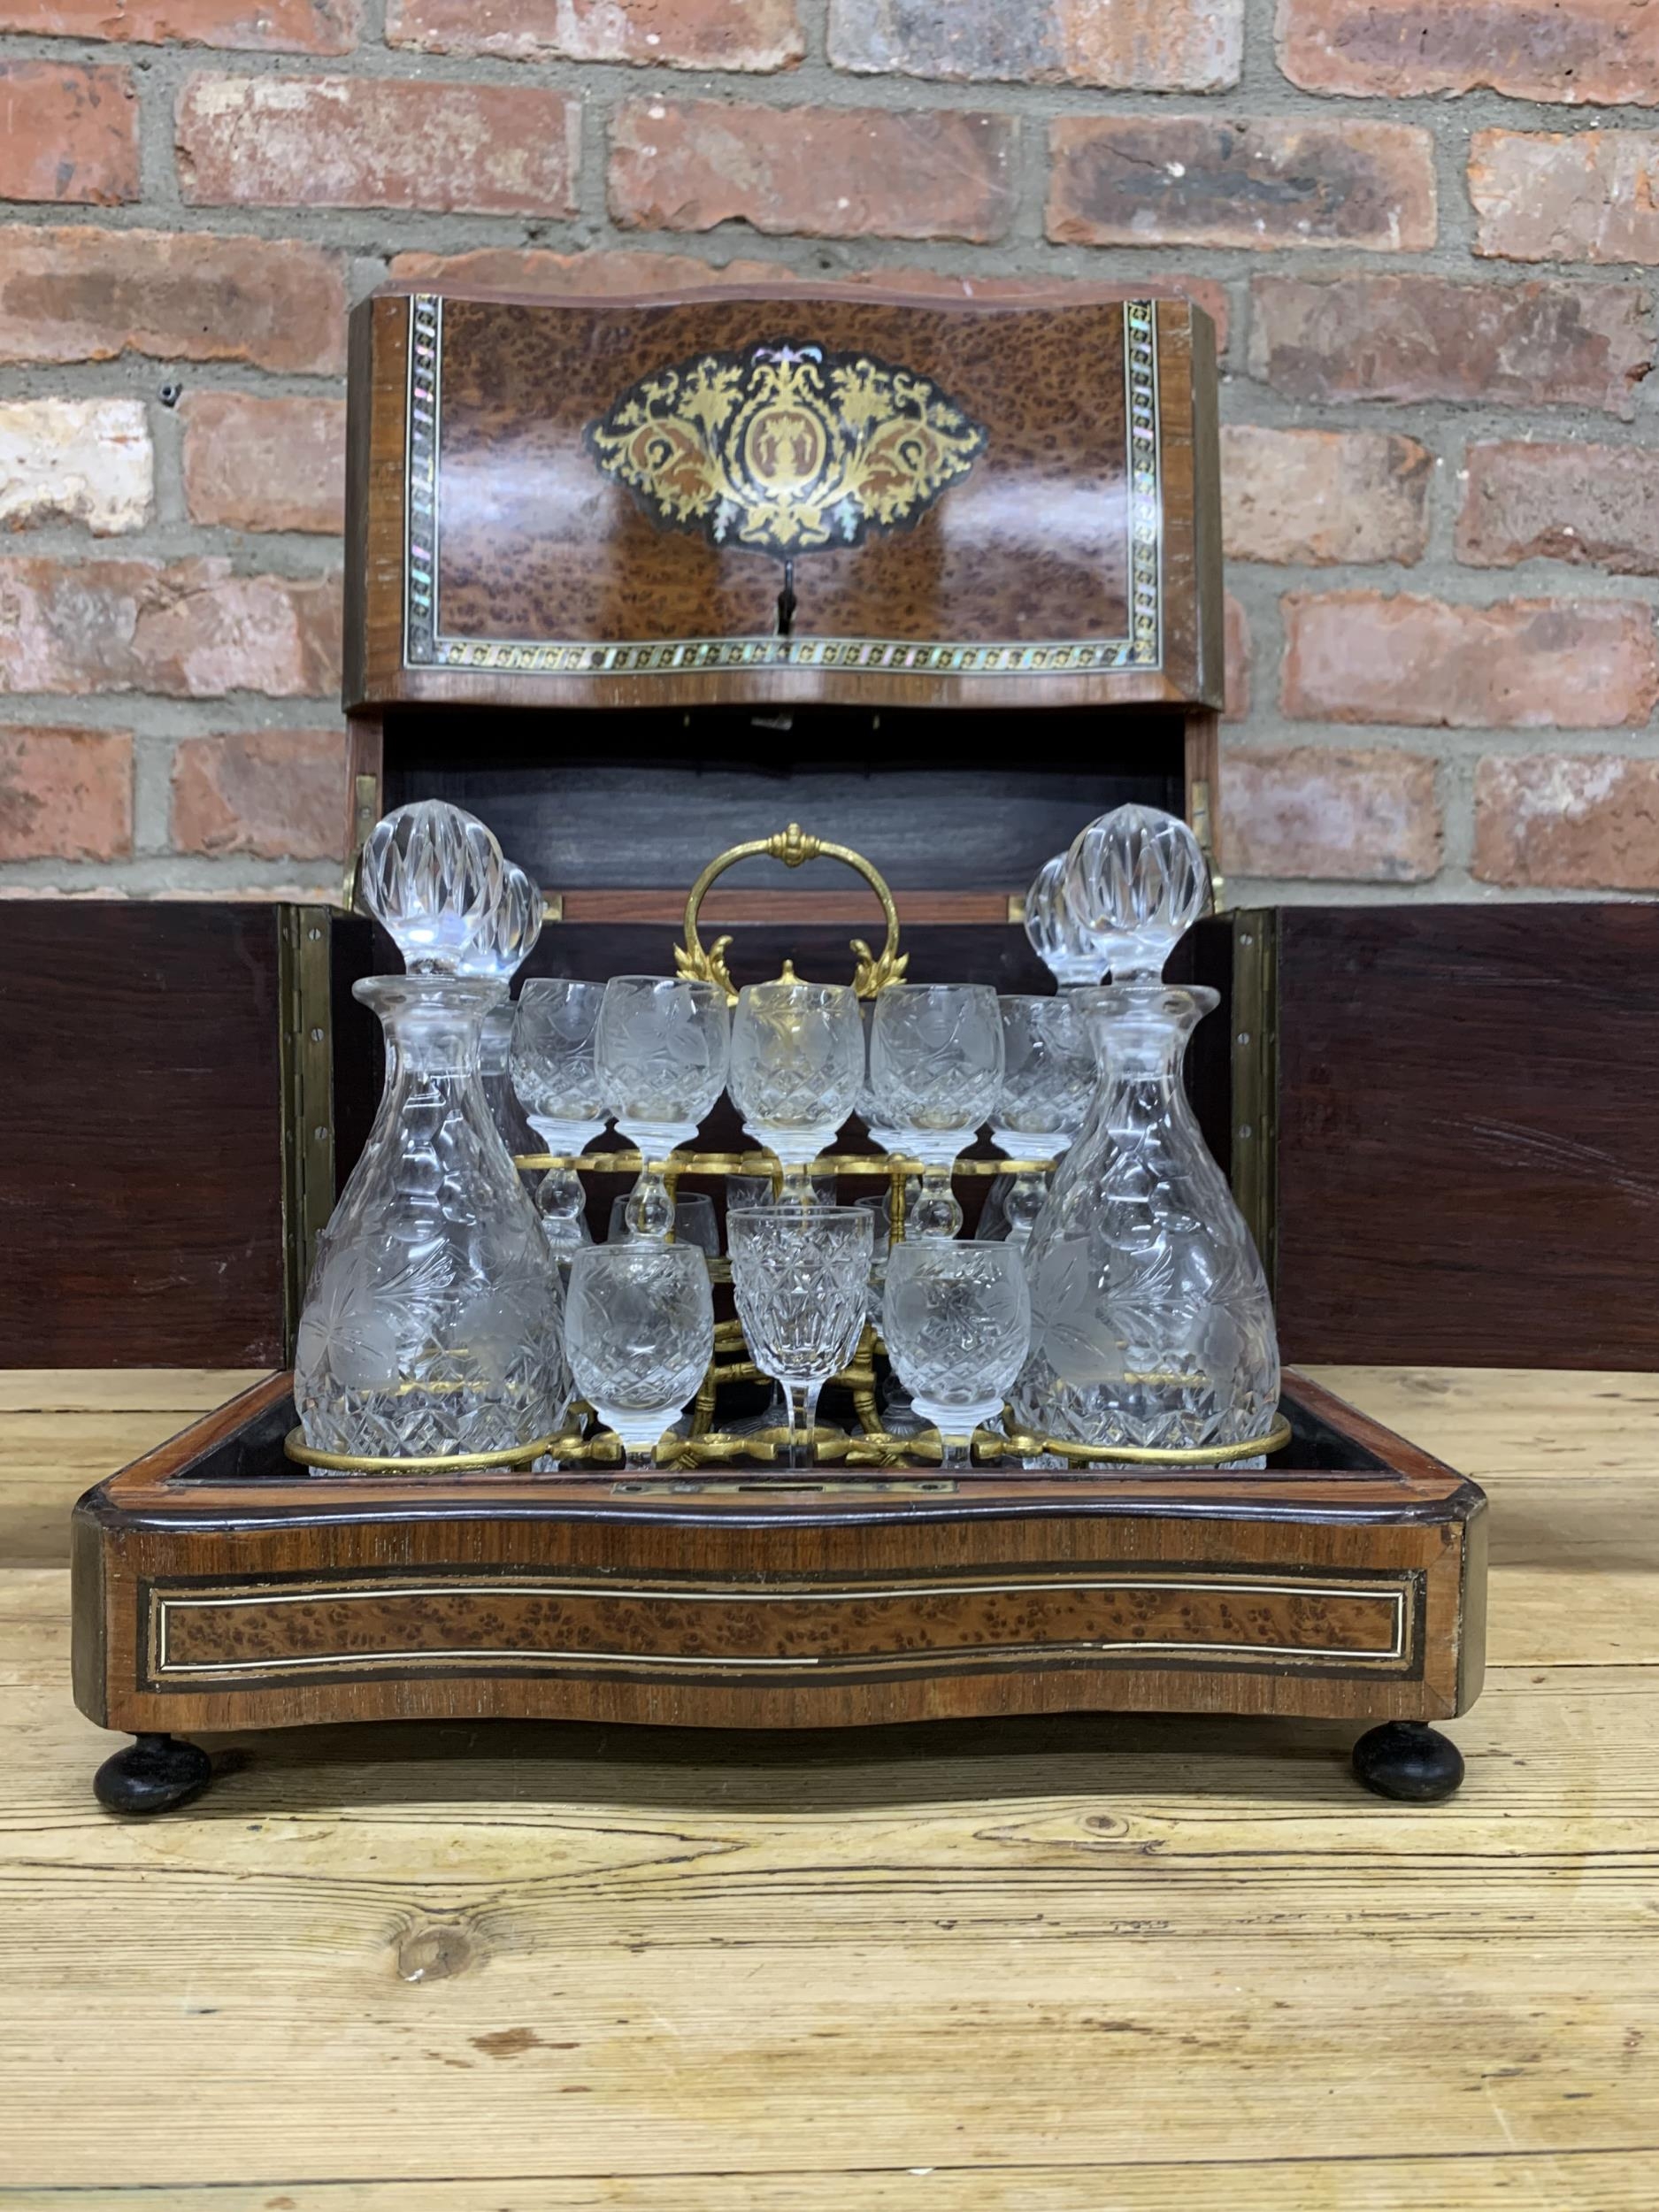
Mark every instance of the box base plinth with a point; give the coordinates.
(217, 1588)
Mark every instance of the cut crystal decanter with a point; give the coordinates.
(432, 1324)
(1151, 1323)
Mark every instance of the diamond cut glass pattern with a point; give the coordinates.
(956, 1318)
(797, 1064)
(639, 1328)
(801, 1276)
(434, 878)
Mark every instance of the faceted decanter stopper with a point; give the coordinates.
(434, 878)
(505, 941)
(1135, 881)
(1071, 956)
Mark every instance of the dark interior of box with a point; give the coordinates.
(939, 799)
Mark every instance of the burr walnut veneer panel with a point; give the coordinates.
(783, 495)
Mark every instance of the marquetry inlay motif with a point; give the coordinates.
(786, 447)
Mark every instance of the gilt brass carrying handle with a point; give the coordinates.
(874, 971)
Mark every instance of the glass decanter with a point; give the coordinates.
(432, 1321)
(1151, 1323)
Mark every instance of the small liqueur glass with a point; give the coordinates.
(555, 1073)
(956, 1318)
(1049, 1083)
(935, 1071)
(663, 1050)
(638, 1334)
(797, 1064)
(1073, 954)
(801, 1276)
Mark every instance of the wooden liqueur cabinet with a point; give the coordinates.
(638, 580)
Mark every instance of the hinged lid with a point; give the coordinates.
(784, 496)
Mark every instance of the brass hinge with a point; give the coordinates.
(1255, 1132)
(1205, 830)
(366, 808)
(305, 1055)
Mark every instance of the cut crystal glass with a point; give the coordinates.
(1070, 954)
(433, 876)
(956, 1321)
(432, 1322)
(639, 1329)
(495, 1051)
(663, 1045)
(694, 1223)
(801, 1276)
(555, 1074)
(935, 1071)
(797, 1064)
(1151, 1323)
(1049, 1079)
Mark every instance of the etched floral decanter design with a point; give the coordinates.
(1151, 1323)
(432, 1321)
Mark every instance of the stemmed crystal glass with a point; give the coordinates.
(1058, 936)
(800, 1275)
(555, 1073)
(956, 1319)
(639, 1332)
(662, 1051)
(935, 1071)
(1049, 1082)
(797, 1064)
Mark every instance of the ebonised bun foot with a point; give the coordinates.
(1409, 1760)
(153, 1776)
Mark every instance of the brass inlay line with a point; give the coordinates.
(426, 645)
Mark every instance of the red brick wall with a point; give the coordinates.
(1442, 491)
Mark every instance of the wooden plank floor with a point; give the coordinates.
(1076, 1965)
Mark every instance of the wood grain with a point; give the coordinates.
(1466, 1165)
(142, 1171)
(218, 1587)
(538, 544)
(1058, 1965)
